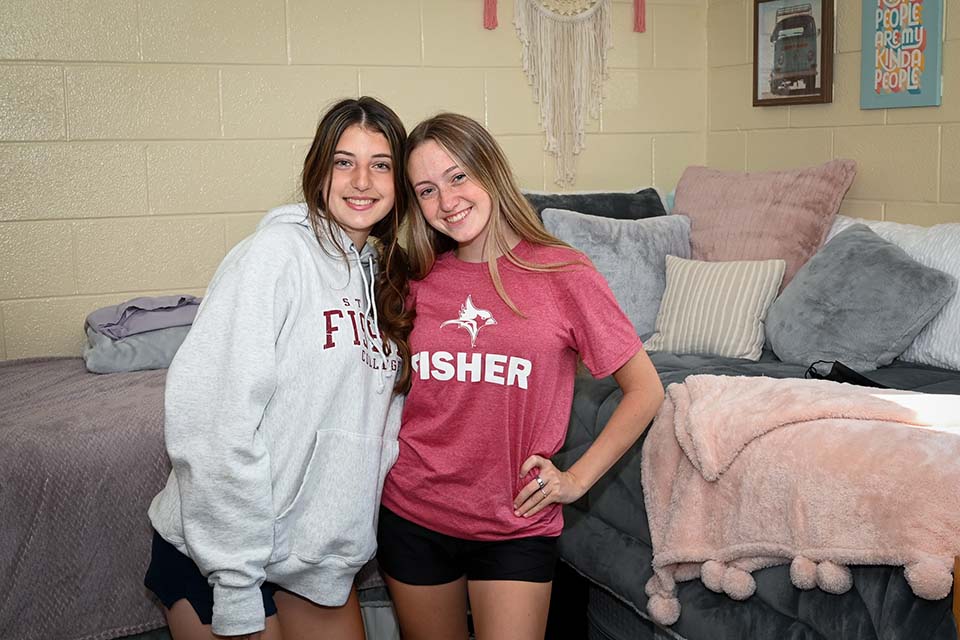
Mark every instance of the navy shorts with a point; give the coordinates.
(416, 555)
(172, 576)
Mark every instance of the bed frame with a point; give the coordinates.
(956, 592)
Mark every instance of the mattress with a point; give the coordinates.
(611, 619)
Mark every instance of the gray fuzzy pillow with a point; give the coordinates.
(860, 300)
(631, 255)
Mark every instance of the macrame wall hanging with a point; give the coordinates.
(565, 44)
(639, 15)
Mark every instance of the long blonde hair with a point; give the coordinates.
(478, 155)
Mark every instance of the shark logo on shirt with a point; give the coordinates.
(471, 319)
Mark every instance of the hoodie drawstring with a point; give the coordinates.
(372, 308)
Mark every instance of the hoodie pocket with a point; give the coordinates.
(334, 509)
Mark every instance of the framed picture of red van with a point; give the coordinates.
(792, 52)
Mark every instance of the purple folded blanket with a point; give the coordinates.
(144, 314)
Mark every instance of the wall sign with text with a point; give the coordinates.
(901, 54)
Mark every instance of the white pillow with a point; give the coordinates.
(716, 308)
(938, 247)
(939, 342)
(902, 235)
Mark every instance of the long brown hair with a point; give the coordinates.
(478, 155)
(391, 282)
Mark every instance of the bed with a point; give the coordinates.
(81, 457)
(607, 541)
(850, 288)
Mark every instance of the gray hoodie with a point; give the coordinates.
(280, 423)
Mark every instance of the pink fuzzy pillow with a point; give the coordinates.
(762, 216)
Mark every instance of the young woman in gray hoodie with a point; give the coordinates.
(282, 405)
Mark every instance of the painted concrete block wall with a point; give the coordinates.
(141, 139)
(908, 159)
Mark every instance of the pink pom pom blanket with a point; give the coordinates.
(744, 473)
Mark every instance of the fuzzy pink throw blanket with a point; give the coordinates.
(744, 473)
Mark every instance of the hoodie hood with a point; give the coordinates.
(362, 262)
(297, 214)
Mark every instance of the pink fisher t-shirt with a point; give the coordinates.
(491, 388)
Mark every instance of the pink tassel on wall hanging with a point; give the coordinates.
(489, 14)
(639, 16)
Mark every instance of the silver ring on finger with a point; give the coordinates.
(541, 484)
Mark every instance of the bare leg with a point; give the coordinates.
(509, 609)
(301, 619)
(185, 625)
(436, 612)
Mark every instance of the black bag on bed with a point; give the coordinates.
(840, 372)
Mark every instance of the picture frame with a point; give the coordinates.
(792, 52)
(901, 54)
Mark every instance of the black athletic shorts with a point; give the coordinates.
(172, 576)
(415, 555)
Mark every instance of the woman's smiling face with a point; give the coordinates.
(361, 191)
(450, 201)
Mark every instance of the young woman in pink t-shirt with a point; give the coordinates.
(504, 310)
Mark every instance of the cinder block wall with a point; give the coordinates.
(141, 139)
(908, 159)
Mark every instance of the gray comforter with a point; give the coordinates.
(81, 457)
(607, 539)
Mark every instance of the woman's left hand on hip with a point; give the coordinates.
(549, 486)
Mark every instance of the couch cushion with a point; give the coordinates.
(760, 216)
(645, 203)
(631, 255)
(860, 300)
(716, 308)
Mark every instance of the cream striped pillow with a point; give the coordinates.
(716, 308)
